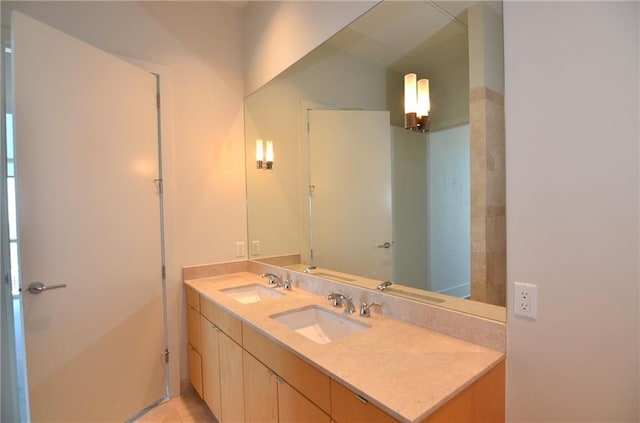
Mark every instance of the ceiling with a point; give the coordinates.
(432, 34)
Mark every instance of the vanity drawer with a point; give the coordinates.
(193, 327)
(193, 298)
(228, 323)
(347, 406)
(311, 382)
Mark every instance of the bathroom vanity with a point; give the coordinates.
(265, 354)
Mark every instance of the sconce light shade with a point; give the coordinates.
(417, 104)
(259, 153)
(264, 158)
(269, 155)
(424, 105)
(410, 91)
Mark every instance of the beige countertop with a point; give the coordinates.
(406, 370)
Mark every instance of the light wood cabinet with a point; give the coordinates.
(483, 401)
(222, 380)
(193, 299)
(270, 399)
(295, 408)
(195, 369)
(193, 325)
(210, 337)
(227, 322)
(260, 391)
(244, 376)
(311, 382)
(194, 352)
(347, 406)
(231, 381)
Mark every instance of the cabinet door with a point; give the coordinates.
(295, 408)
(195, 370)
(308, 380)
(210, 335)
(347, 406)
(260, 392)
(231, 381)
(483, 401)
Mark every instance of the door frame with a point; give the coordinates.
(173, 270)
(14, 392)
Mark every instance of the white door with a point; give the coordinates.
(88, 217)
(350, 172)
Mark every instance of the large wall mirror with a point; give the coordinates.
(355, 194)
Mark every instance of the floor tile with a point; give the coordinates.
(187, 408)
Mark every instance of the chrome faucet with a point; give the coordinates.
(276, 282)
(341, 299)
(384, 285)
(365, 309)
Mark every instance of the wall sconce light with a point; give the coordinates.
(264, 157)
(416, 103)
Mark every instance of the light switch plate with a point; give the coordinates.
(255, 248)
(240, 249)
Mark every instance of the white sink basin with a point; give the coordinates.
(318, 324)
(248, 294)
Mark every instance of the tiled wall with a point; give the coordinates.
(488, 217)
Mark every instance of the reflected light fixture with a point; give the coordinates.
(416, 103)
(264, 154)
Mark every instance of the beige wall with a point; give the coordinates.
(572, 209)
(278, 33)
(197, 48)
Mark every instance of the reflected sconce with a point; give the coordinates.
(264, 154)
(416, 103)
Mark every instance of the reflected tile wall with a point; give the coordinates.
(488, 199)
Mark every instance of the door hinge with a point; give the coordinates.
(166, 356)
(159, 186)
(164, 272)
(158, 100)
(311, 253)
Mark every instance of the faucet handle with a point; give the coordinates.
(365, 308)
(337, 299)
(273, 279)
(287, 284)
(340, 299)
(349, 307)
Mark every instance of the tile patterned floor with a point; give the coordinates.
(187, 408)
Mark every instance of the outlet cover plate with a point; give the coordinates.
(525, 300)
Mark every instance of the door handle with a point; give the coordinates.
(39, 287)
(385, 245)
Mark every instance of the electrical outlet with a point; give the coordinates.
(255, 248)
(525, 300)
(240, 249)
